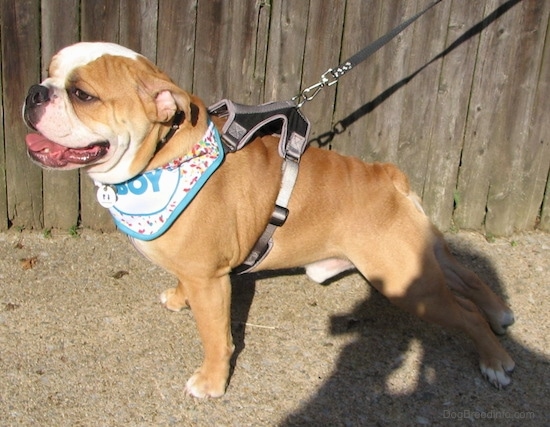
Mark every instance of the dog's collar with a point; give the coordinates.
(145, 206)
(176, 122)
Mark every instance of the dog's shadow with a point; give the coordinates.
(363, 388)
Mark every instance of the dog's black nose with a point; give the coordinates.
(37, 95)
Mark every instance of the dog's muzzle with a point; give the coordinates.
(49, 153)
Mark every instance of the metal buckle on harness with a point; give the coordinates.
(279, 216)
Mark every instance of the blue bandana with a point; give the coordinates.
(148, 204)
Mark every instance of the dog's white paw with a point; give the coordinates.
(497, 375)
(201, 386)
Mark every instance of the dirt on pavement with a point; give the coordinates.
(85, 342)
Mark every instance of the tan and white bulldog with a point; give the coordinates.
(105, 108)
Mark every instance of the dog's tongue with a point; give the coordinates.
(55, 155)
(37, 142)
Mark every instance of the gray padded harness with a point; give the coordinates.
(243, 122)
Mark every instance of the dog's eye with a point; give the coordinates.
(81, 95)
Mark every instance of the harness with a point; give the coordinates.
(243, 122)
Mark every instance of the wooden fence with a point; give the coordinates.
(460, 100)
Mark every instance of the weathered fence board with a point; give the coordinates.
(507, 199)
(459, 100)
(3, 186)
(322, 50)
(533, 174)
(138, 26)
(426, 39)
(449, 121)
(287, 41)
(538, 150)
(369, 104)
(21, 61)
(61, 193)
(176, 40)
(500, 111)
(227, 39)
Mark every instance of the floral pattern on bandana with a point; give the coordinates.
(148, 204)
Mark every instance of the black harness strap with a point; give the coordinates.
(243, 122)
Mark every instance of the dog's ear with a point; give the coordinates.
(162, 98)
(168, 102)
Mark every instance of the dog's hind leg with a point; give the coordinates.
(466, 283)
(412, 279)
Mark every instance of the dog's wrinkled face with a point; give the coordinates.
(98, 109)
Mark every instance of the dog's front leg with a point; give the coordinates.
(210, 302)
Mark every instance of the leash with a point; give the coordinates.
(244, 121)
(331, 76)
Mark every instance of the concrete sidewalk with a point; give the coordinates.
(84, 342)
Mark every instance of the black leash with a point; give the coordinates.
(331, 76)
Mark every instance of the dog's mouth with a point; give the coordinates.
(53, 155)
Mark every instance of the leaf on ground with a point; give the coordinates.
(119, 274)
(28, 263)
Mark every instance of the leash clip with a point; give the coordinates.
(328, 78)
(312, 91)
(308, 94)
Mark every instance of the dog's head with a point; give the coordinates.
(105, 107)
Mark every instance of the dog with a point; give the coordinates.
(109, 110)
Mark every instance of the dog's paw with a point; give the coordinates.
(202, 386)
(497, 371)
(173, 300)
(500, 322)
